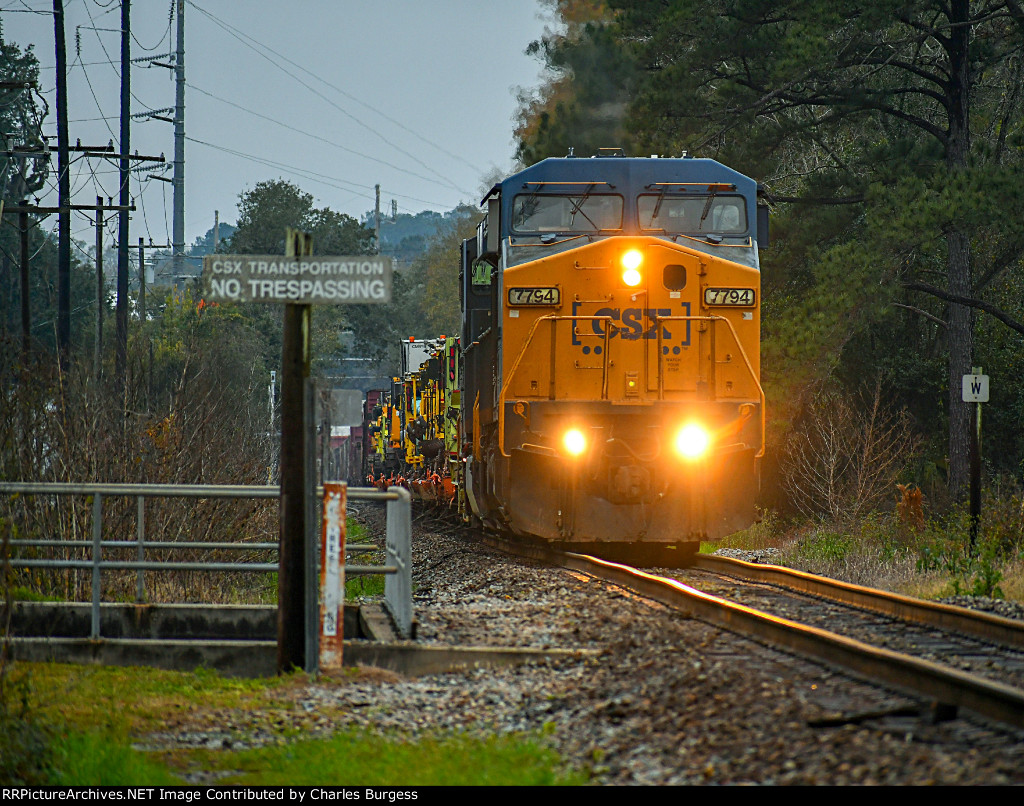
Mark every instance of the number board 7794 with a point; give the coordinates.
(546, 296)
(740, 297)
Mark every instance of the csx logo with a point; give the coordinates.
(630, 324)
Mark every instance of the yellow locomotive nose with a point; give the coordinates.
(631, 262)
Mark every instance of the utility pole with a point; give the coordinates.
(142, 282)
(97, 351)
(122, 218)
(376, 219)
(26, 311)
(24, 210)
(142, 311)
(216, 230)
(178, 225)
(142, 273)
(63, 192)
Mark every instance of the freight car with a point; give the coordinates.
(604, 392)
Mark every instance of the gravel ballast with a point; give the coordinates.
(666, 699)
(655, 699)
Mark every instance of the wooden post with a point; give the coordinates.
(295, 485)
(975, 498)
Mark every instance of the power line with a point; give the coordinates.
(262, 54)
(334, 182)
(92, 92)
(308, 134)
(340, 91)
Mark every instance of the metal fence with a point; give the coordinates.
(397, 567)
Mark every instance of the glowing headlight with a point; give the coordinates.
(692, 441)
(574, 442)
(631, 261)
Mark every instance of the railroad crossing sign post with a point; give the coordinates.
(299, 280)
(975, 390)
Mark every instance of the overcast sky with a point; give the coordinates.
(332, 95)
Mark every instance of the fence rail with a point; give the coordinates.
(397, 568)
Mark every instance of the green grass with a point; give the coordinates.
(20, 593)
(355, 532)
(353, 758)
(104, 759)
(359, 586)
(69, 724)
(880, 551)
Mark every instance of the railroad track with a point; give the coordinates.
(952, 657)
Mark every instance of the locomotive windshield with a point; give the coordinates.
(576, 213)
(692, 213)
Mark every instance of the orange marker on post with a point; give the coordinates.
(332, 576)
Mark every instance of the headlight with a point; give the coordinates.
(574, 442)
(631, 261)
(692, 441)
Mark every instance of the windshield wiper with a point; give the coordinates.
(578, 208)
(707, 206)
(657, 209)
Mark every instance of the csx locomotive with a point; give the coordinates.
(604, 392)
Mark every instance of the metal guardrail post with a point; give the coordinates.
(398, 587)
(140, 537)
(97, 549)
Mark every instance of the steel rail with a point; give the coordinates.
(947, 686)
(943, 684)
(985, 626)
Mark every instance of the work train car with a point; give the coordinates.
(604, 393)
(413, 429)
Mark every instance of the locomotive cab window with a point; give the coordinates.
(679, 214)
(582, 212)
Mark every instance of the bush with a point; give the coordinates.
(972, 570)
(845, 455)
(25, 755)
(193, 410)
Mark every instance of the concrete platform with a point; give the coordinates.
(236, 640)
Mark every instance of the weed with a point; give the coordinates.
(26, 756)
(768, 532)
(364, 585)
(102, 759)
(972, 571)
(19, 593)
(827, 546)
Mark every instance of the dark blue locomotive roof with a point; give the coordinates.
(628, 176)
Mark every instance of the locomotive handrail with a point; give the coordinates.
(743, 353)
(554, 319)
